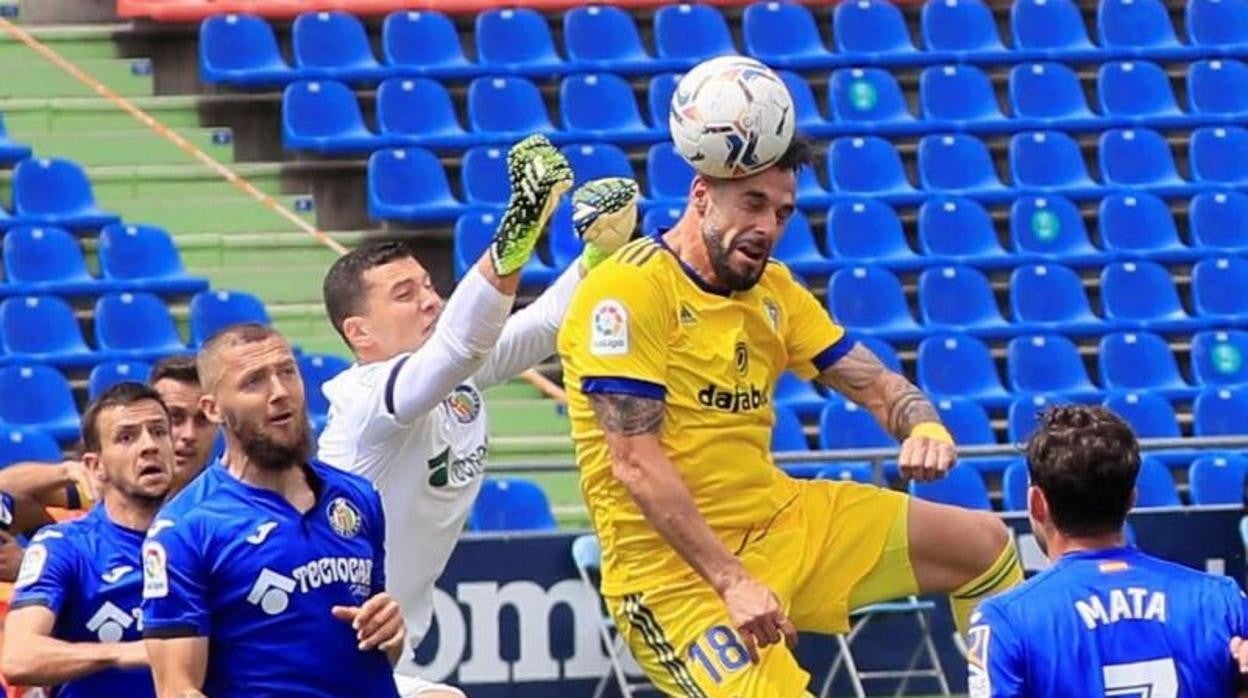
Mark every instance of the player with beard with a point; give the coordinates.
(74, 620)
(270, 564)
(711, 554)
(176, 378)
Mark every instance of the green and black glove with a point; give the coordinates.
(539, 175)
(604, 216)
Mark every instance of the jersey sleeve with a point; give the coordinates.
(995, 661)
(377, 524)
(49, 570)
(175, 581)
(813, 339)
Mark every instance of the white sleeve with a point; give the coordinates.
(530, 334)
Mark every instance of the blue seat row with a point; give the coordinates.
(53, 192)
(10, 150)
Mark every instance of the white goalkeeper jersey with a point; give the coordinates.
(416, 426)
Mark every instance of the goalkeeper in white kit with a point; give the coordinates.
(409, 414)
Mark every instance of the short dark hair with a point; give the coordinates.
(207, 362)
(180, 368)
(800, 154)
(343, 288)
(1085, 460)
(119, 395)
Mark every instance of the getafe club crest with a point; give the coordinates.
(465, 403)
(344, 518)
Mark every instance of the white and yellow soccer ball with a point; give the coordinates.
(731, 117)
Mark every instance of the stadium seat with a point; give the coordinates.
(1047, 364)
(333, 45)
(601, 107)
(419, 111)
(1220, 411)
(423, 42)
(18, 445)
(847, 472)
(882, 350)
(316, 370)
(509, 107)
(966, 420)
(135, 327)
(516, 40)
(1014, 486)
(810, 191)
(962, 486)
(1220, 290)
(843, 424)
(1135, 89)
(957, 163)
(1137, 157)
(511, 504)
(409, 184)
(867, 231)
(55, 192)
(961, 230)
(959, 299)
(322, 116)
(786, 432)
(871, 300)
(47, 402)
(597, 160)
(793, 393)
(1051, 296)
(1218, 478)
(959, 366)
(565, 247)
(472, 235)
(1154, 486)
(1023, 415)
(241, 50)
(810, 120)
(1151, 416)
(1051, 227)
(1219, 155)
(659, 97)
(874, 28)
(1217, 24)
(1219, 220)
(1218, 87)
(1136, 25)
(1049, 160)
(1054, 27)
(11, 151)
(866, 165)
(46, 260)
(1140, 361)
(1138, 223)
(961, 26)
(43, 329)
(1142, 294)
(867, 96)
(110, 373)
(797, 249)
(213, 311)
(1047, 92)
(1220, 358)
(605, 38)
(667, 174)
(959, 93)
(687, 34)
(784, 35)
(660, 218)
(483, 171)
(144, 258)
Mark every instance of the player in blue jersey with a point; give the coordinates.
(74, 622)
(265, 577)
(1105, 619)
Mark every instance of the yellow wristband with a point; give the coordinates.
(932, 430)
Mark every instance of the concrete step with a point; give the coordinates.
(73, 41)
(132, 146)
(33, 76)
(74, 114)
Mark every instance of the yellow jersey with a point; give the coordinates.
(644, 324)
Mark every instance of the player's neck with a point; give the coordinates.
(1060, 544)
(133, 514)
(685, 241)
(290, 483)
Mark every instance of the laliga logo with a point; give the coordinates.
(271, 592)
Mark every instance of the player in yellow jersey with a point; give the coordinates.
(711, 554)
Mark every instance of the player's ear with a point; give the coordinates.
(91, 461)
(1037, 506)
(208, 403)
(700, 193)
(357, 332)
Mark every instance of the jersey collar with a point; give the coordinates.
(272, 499)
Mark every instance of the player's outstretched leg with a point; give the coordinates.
(539, 175)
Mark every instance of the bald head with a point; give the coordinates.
(209, 361)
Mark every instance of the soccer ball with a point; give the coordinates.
(731, 117)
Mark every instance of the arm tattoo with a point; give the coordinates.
(627, 415)
(896, 404)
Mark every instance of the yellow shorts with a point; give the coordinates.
(836, 546)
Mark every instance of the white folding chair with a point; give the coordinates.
(860, 618)
(587, 556)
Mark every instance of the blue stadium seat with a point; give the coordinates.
(213, 311)
(793, 393)
(784, 35)
(1135, 89)
(960, 299)
(958, 163)
(597, 160)
(565, 247)
(1219, 220)
(1049, 160)
(472, 235)
(660, 218)
(688, 34)
(110, 373)
(1022, 415)
(144, 258)
(882, 350)
(43, 329)
(241, 50)
(483, 174)
(316, 370)
(1137, 157)
(601, 106)
(1142, 294)
(810, 191)
(786, 432)
(18, 445)
(659, 97)
(868, 231)
(843, 425)
(1014, 486)
(1047, 92)
(1154, 486)
(516, 40)
(1217, 24)
(424, 42)
(1136, 25)
(810, 120)
(959, 93)
(1138, 223)
(797, 248)
(847, 471)
(409, 184)
(959, 366)
(1047, 364)
(961, 230)
(509, 107)
(322, 116)
(1054, 27)
(605, 38)
(1140, 361)
(46, 260)
(1051, 227)
(1218, 87)
(1220, 358)
(47, 402)
(966, 420)
(51, 191)
(870, 300)
(867, 96)
(667, 174)
(1219, 155)
(1220, 411)
(1151, 416)
(1051, 296)
(1218, 478)
(961, 26)
(963, 486)
(866, 165)
(11, 151)
(511, 504)
(1220, 289)
(876, 28)
(419, 111)
(333, 45)
(135, 327)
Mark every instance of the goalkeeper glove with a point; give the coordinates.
(539, 175)
(604, 215)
